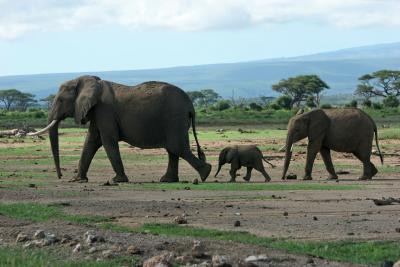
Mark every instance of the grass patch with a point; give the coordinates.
(362, 252)
(18, 257)
(40, 212)
(243, 186)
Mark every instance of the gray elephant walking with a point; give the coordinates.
(344, 130)
(249, 156)
(149, 115)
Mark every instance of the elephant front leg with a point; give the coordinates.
(248, 174)
(233, 174)
(312, 150)
(171, 175)
(112, 150)
(92, 144)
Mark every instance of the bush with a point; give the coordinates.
(367, 103)
(352, 104)
(285, 102)
(391, 101)
(326, 106)
(377, 105)
(221, 105)
(274, 106)
(255, 106)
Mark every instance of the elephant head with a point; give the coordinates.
(75, 98)
(312, 124)
(226, 156)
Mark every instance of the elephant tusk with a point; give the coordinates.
(282, 149)
(44, 129)
(291, 148)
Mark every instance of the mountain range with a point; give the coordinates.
(340, 69)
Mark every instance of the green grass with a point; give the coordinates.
(361, 252)
(242, 186)
(18, 257)
(40, 212)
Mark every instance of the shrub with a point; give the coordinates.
(326, 106)
(377, 105)
(352, 104)
(274, 106)
(391, 101)
(255, 106)
(222, 105)
(285, 102)
(367, 103)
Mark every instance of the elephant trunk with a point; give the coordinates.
(53, 135)
(288, 155)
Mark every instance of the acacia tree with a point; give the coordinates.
(9, 97)
(24, 101)
(48, 100)
(299, 88)
(382, 83)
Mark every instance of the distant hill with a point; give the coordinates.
(340, 69)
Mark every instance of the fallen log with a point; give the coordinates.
(386, 201)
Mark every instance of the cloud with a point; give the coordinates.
(18, 18)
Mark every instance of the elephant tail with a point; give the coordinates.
(272, 165)
(377, 145)
(200, 152)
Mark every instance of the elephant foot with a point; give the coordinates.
(204, 171)
(169, 178)
(364, 178)
(232, 181)
(120, 179)
(247, 179)
(307, 178)
(374, 171)
(78, 179)
(267, 180)
(332, 177)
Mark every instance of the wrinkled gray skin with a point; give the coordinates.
(149, 115)
(344, 130)
(248, 156)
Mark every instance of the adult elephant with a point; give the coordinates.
(343, 130)
(148, 115)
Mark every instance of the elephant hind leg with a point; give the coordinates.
(326, 156)
(260, 167)
(171, 175)
(369, 169)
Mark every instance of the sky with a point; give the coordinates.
(53, 36)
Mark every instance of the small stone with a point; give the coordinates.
(256, 258)
(286, 213)
(237, 224)
(77, 248)
(21, 237)
(197, 212)
(219, 261)
(65, 239)
(315, 218)
(310, 261)
(195, 181)
(92, 250)
(238, 214)
(162, 260)
(180, 220)
(183, 259)
(134, 250)
(39, 234)
(291, 176)
(351, 233)
(28, 244)
(197, 249)
(397, 230)
(91, 237)
(108, 254)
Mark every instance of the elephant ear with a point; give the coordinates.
(88, 94)
(318, 124)
(231, 155)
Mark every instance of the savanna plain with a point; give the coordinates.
(291, 222)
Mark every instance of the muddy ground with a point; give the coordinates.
(317, 215)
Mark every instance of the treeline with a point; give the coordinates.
(376, 90)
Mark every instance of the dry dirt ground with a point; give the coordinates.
(295, 214)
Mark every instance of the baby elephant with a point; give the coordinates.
(249, 156)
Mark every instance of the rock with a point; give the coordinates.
(65, 239)
(183, 259)
(180, 219)
(49, 239)
(291, 176)
(39, 234)
(315, 218)
(247, 264)
(220, 261)
(286, 213)
(28, 244)
(108, 254)
(238, 214)
(310, 261)
(77, 248)
(236, 224)
(203, 264)
(133, 250)
(256, 258)
(162, 260)
(195, 181)
(92, 250)
(197, 249)
(21, 237)
(397, 230)
(91, 237)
